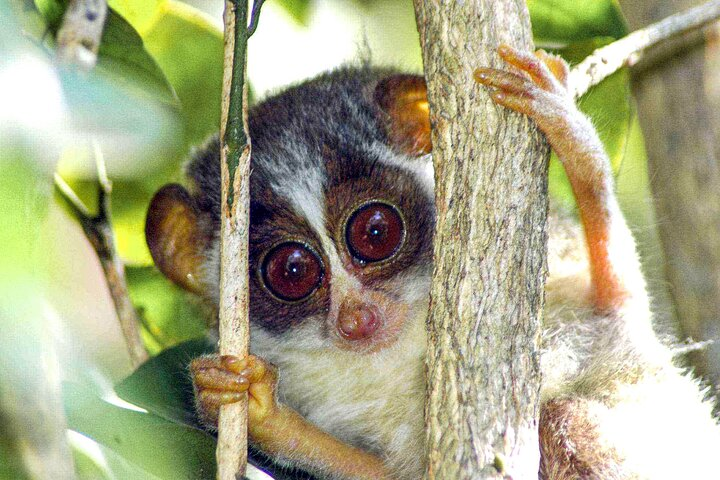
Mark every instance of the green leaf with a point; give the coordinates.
(558, 22)
(189, 49)
(11, 466)
(162, 384)
(140, 13)
(299, 10)
(170, 314)
(122, 59)
(52, 11)
(148, 443)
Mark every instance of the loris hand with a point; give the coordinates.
(278, 430)
(220, 380)
(544, 96)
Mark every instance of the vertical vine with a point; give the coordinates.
(235, 167)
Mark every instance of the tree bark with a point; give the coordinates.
(678, 99)
(483, 369)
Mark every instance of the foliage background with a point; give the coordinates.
(153, 96)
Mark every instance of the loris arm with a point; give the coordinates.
(544, 97)
(274, 428)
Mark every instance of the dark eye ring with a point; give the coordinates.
(374, 232)
(291, 271)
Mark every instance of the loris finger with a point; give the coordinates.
(527, 62)
(557, 66)
(216, 379)
(505, 81)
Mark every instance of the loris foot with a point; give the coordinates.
(544, 96)
(221, 380)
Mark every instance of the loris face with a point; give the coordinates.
(342, 251)
(341, 211)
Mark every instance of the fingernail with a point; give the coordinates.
(230, 397)
(233, 363)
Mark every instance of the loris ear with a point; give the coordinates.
(404, 99)
(177, 235)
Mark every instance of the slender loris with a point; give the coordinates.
(342, 218)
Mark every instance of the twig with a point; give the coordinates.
(231, 451)
(79, 35)
(254, 17)
(627, 51)
(98, 229)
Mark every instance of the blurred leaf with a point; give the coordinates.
(52, 11)
(189, 49)
(159, 448)
(162, 384)
(170, 314)
(123, 59)
(11, 467)
(299, 10)
(557, 22)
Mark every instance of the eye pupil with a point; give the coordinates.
(377, 226)
(291, 271)
(374, 232)
(295, 267)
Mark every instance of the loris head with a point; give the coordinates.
(341, 213)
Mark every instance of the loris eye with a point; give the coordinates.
(291, 271)
(374, 232)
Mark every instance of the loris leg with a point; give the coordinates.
(544, 97)
(274, 428)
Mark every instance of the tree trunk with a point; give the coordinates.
(483, 369)
(678, 102)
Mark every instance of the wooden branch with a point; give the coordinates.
(234, 224)
(483, 371)
(78, 38)
(677, 105)
(98, 230)
(627, 51)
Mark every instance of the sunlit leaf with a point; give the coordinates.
(123, 59)
(163, 449)
(162, 384)
(140, 13)
(189, 49)
(299, 10)
(558, 22)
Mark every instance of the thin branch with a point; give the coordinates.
(79, 36)
(98, 230)
(231, 450)
(254, 17)
(627, 51)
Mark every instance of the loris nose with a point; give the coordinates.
(358, 320)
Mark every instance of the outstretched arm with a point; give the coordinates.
(274, 428)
